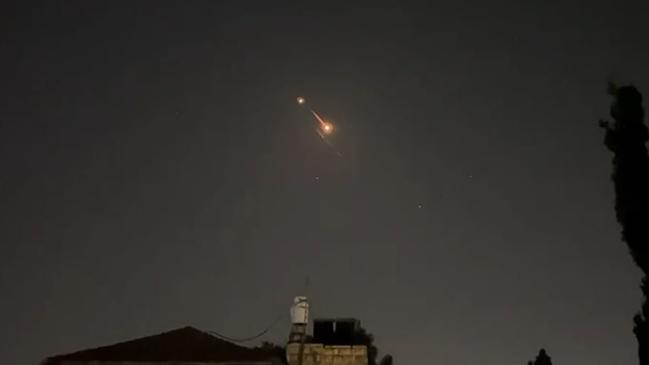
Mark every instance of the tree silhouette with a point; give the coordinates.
(626, 138)
(386, 360)
(277, 351)
(365, 338)
(541, 359)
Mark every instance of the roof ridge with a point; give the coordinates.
(182, 344)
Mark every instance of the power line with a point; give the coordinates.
(250, 338)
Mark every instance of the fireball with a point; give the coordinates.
(327, 128)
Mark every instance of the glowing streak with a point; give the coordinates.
(325, 128)
(322, 122)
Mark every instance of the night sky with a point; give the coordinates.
(156, 172)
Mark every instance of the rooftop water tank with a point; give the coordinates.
(300, 311)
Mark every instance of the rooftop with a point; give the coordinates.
(186, 344)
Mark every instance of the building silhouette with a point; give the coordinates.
(182, 346)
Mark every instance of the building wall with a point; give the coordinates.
(94, 362)
(318, 354)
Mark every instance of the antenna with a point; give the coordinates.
(307, 284)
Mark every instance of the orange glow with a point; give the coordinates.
(328, 128)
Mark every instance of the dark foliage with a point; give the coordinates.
(365, 338)
(541, 359)
(276, 351)
(386, 360)
(626, 137)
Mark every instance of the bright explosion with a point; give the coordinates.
(328, 128)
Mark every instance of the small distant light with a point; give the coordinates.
(300, 100)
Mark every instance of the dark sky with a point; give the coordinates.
(157, 173)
